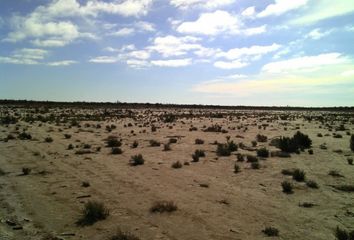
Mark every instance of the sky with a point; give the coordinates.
(220, 52)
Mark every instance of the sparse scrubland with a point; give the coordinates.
(139, 172)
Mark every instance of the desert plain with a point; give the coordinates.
(56, 159)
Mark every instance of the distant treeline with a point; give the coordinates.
(30, 103)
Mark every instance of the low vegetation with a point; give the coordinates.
(163, 206)
(271, 231)
(120, 235)
(92, 212)
(287, 187)
(137, 160)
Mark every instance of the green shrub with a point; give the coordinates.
(306, 205)
(137, 160)
(271, 231)
(167, 147)
(92, 212)
(199, 141)
(48, 139)
(299, 175)
(287, 187)
(251, 158)
(312, 184)
(113, 142)
(240, 158)
(8, 120)
(163, 206)
(67, 136)
(24, 136)
(298, 141)
(120, 235)
(154, 143)
(116, 150)
(172, 140)
(177, 164)
(261, 138)
(342, 234)
(232, 146)
(263, 152)
(199, 153)
(345, 188)
(255, 165)
(237, 168)
(26, 171)
(195, 158)
(223, 150)
(135, 144)
(288, 172)
(85, 184)
(335, 173)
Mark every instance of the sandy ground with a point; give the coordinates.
(234, 206)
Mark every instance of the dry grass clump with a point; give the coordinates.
(163, 206)
(342, 234)
(199, 141)
(116, 150)
(120, 235)
(92, 212)
(154, 143)
(261, 138)
(137, 160)
(177, 164)
(271, 231)
(287, 187)
(263, 152)
(113, 141)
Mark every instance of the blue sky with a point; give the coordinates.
(229, 52)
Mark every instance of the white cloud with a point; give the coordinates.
(12, 60)
(46, 27)
(136, 27)
(211, 24)
(316, 34)
(61, 63)
(174, 46)
(32, 56)
(104, 59)
(26, 56)
(145, 26)
(31, 53)
(140, 54)
(123, 32)
(254, 31)
(236, 76)
(281, 7)
(324, 9)
(206, 52)
(172, 63)
(249, 12)
(34, 27)
(49, 43)
(210, 4)
(62, 8)
(307, 63)
(256, 50)
(230, 65)
(136, 63)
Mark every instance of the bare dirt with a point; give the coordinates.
(213, 202)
